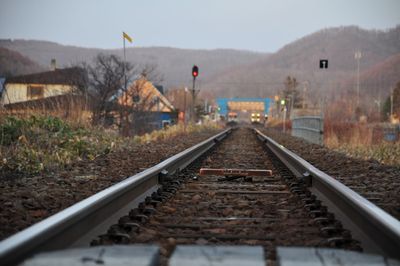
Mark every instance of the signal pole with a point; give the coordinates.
(195, 73)
(193, 100)
(184, 110)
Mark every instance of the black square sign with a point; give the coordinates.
(323, 63)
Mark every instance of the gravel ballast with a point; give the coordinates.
(25, 201)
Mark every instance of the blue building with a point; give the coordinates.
(225, 105)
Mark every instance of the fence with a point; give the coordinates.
(145, 122)
(391, 133)
(310, 128)
(70, 107)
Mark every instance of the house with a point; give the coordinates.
(42, 85)
(151, 110)
(142, 95)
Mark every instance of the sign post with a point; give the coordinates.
(323, 63)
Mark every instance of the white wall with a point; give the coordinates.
(15, 93)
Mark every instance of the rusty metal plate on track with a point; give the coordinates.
(222, 236)
(228, 186)
(213, 226)
(259, 192)
(235, 172)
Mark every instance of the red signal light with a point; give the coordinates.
(195, 71)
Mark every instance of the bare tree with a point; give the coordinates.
(111, 95)
(151, 73)
(105, 80)
(291, 94)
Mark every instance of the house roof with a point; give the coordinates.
(146, 90)
(163, 99)
(58, 76)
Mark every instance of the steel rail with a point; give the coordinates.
(66, 227)
(378, 231)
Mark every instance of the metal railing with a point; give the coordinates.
(377, 230)
(310, 128)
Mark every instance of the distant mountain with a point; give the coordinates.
(338, 45)
(232, 73)
(13, 63)
(175, 64)
(301, 60)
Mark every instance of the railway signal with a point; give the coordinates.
(195, 71)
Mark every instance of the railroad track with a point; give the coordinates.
(376, 182)
(178, 206)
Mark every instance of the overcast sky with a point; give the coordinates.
(258, 25)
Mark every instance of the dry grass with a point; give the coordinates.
(358, 140)
(175, 130)
(278, 124)
(386, 153)
(70, 108)
(29, 146)
(337, 133)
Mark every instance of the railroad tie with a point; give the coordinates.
(234, 173)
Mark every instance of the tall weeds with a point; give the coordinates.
(361, 141)
(29, 146)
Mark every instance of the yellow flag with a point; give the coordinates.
(126, 36)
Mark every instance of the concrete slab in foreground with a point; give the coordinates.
(136, 255)
(302, 256)
(200, 255)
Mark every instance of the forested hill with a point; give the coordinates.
(175, 64)
(13, 63)
(231, 73)
(300, 59)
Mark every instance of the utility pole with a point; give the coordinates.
(306, 84)
(284, 119)
(283, 103)
(291, 105)
(357, 56)
(391, 103)
(125, 37)
(126, 112)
